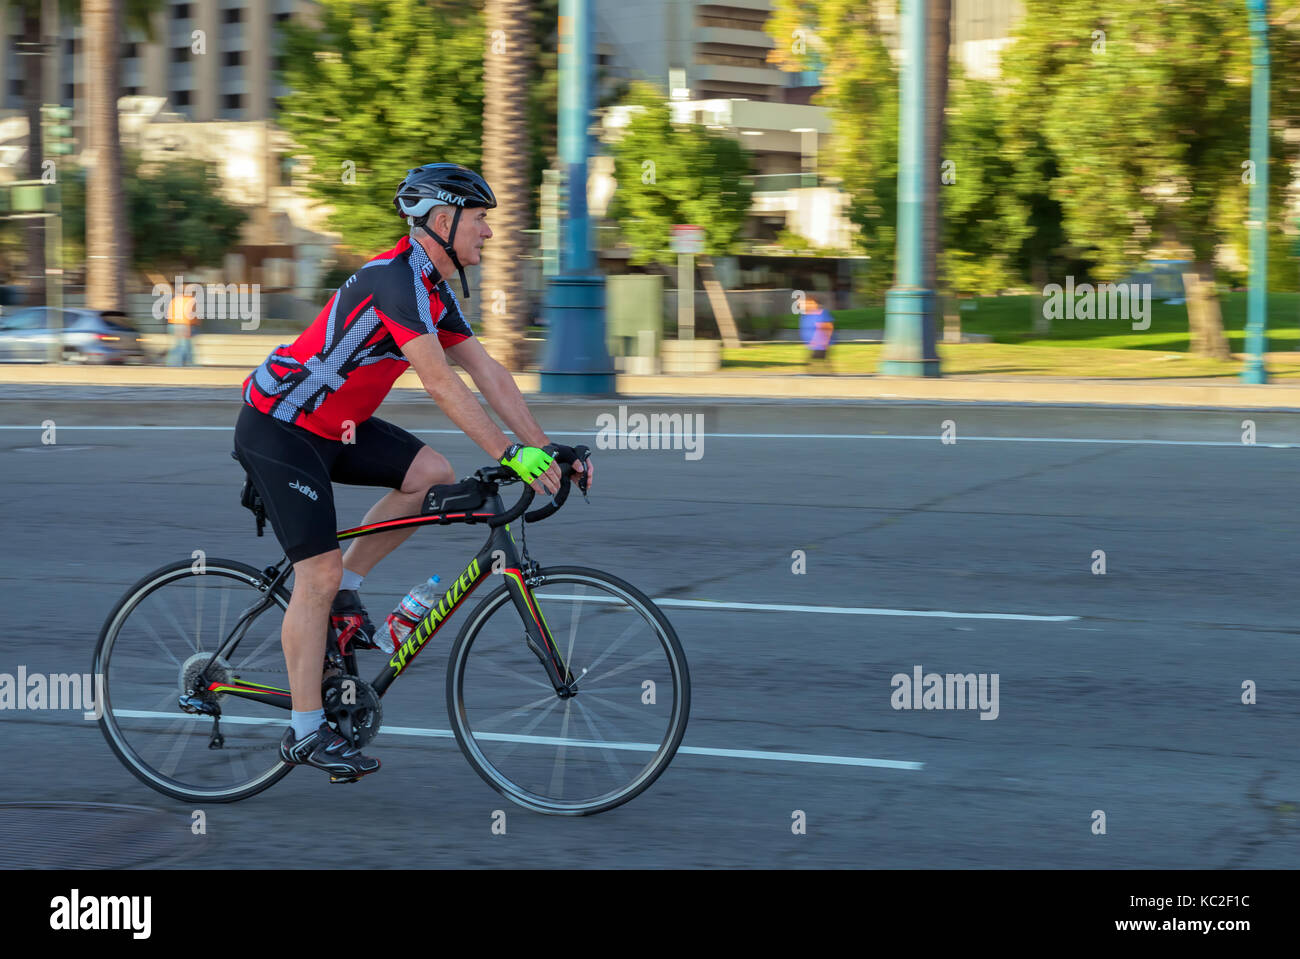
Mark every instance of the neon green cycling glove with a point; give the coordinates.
(528, 462)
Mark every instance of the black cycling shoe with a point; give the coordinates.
(351, 622)
(326, 749)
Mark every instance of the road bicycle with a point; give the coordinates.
(567, 688)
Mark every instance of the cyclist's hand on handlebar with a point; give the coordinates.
(534, 466)
(579, 469)
(583, 472)
(548, 484)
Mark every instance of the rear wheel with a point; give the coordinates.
(158, 645)
(580, 754)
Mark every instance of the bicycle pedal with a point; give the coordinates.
(340, 779)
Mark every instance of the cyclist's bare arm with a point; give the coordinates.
(455, 399)
(498, 388)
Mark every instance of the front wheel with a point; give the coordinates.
(580, 754)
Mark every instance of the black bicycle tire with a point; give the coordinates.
(455, 678)
(142, 587)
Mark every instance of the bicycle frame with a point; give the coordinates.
(499, 552)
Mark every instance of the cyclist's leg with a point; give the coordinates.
(387, 455)
(290, 469)
(306, 624)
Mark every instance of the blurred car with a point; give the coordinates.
(88, 336)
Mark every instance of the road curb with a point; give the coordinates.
(1220, 394)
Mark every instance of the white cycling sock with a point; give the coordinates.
(306, 723)
(351, 580)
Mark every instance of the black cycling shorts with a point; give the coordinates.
(292, 469)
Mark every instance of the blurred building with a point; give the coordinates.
(711, 59)
(204, 87)
(232, 78)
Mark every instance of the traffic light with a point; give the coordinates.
(58, 130)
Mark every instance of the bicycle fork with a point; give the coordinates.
(537, 635)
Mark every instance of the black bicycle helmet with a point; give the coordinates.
(442, 184)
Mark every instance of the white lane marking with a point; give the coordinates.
(840, 610)
(577, 743)
(590, 434)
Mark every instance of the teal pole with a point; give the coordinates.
(576, 359)
(1257, 297)
(909, 306)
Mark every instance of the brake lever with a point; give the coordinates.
(582, 482)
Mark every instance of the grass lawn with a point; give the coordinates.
(1102, 348)
(1010, 319)
(1006, 360)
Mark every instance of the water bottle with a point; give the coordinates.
(413, 608)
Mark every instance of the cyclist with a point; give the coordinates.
(307, 420)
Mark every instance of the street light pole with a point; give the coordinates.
(1257, 297)
(576, 359)
(909, 304)
(53, 206)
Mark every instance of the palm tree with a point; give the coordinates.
(138, 13)
(33, 63)
(506, 164)
(106, 230)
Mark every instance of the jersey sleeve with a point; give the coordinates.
(405, 311)
(451, 325)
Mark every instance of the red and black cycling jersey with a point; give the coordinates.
(344, 364)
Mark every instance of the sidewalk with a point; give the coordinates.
(1224, 393)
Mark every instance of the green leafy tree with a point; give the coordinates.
(378, 88)
(984, 222)
(177, 219)
(669, 174)
(1145, 109)
(844, 42)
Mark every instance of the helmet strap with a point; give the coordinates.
(447, 245)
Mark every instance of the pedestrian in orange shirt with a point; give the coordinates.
(181, 320)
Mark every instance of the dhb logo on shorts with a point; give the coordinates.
(304, 489)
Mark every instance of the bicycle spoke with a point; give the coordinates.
(200, 591)
(630, 711)
(574, 762)
(490, 721)
(161, 743)
(158, 639)
(168, 700)
(168, 768)
(221, 623)
(260, 648)
(589, 679)
(489, 665)
(614, 646)
(557, 770)
(527, 730)
(611, 758)
(180, 630)
(573, 627)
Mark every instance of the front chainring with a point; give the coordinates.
(353, 707)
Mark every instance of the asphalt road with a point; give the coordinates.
(1124, 696)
